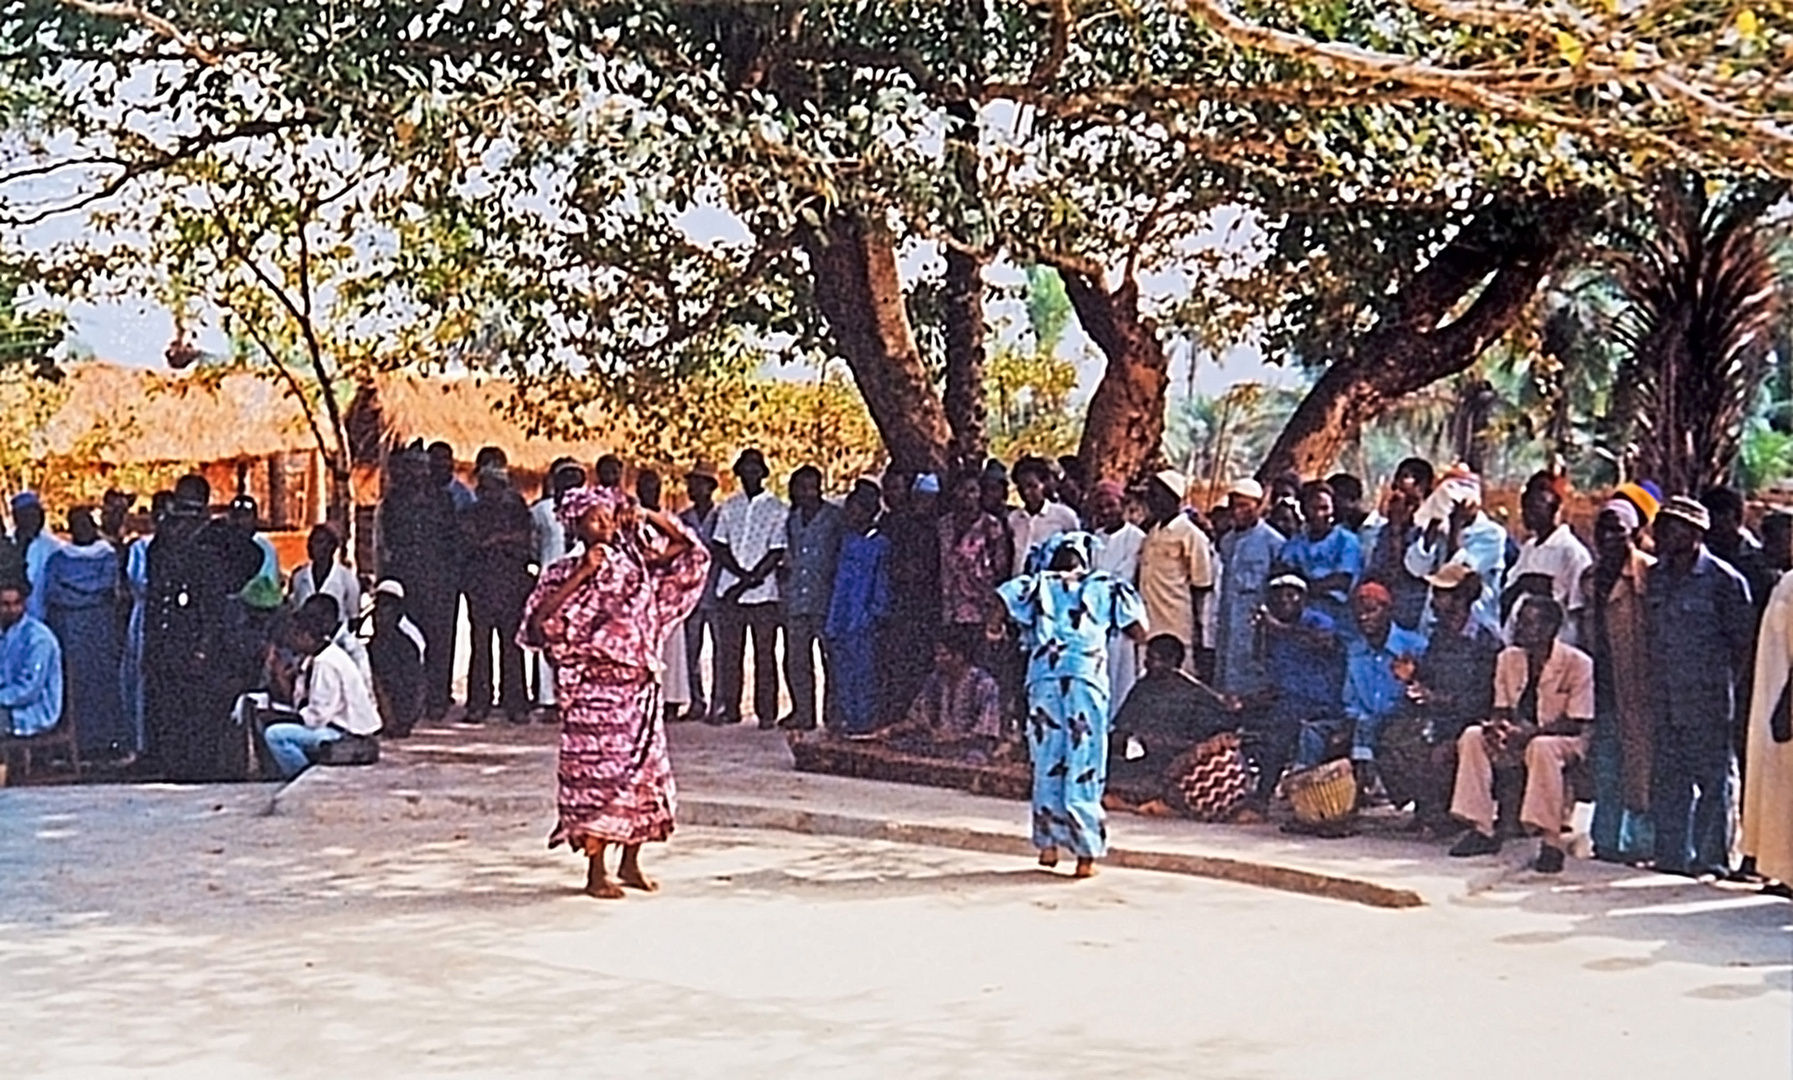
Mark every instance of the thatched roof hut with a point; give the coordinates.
(115, 415)
(467, 412)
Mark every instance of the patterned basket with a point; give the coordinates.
(1210, 781)
(1323, 793)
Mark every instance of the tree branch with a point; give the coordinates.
(156, 24)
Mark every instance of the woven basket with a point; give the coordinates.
(1324, 793)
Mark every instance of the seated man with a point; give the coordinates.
(395, 654)
(1380, 659)
(1304, 662)
(1167, 712)
(958, 713)
(1453, 688)
(30, 668)
(334, 701)
(1543, 715)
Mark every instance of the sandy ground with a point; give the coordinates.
(180, 932)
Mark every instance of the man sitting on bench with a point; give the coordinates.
(333, 699)
(1543, 715)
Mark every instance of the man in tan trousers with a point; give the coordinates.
(1543, 715)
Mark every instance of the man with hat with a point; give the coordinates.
(395, 655)
(1247, 553)
(1702, 630)
(1615, 630)
(701, 483)
(34, 545)
(749, 543)
(1176, 566)
(1303, 659)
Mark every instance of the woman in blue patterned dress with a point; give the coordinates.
(1066, 613)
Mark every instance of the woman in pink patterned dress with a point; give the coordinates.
(603, 616)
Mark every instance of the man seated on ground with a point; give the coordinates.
(1452, 689)
(395, 653)
(1304, 661)
(333, 700)
(958, 713)
(1380, 659)
(30, 668)
(1167, 712)
(1543, 715)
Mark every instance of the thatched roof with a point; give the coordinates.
(467, 412)
(124, 415)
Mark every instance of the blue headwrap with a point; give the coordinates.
(27, 499)
(1040, 559)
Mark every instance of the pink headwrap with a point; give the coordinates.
(1109, 487)
(575, 503)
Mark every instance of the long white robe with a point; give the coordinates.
(550, 546)
(1768, 780)
(1118, 553)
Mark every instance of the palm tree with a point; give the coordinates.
(1698, 330)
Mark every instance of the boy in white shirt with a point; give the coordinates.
(334, 700)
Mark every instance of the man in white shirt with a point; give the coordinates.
(333, 699)
(36, 544)
(1117, 552)
(325, 576)
(1037, 519)
(749, 544)
(1552, 560)
(1176, 566)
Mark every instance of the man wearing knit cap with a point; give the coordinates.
(1701, 629)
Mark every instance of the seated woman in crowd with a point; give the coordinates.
(958, 713)
(1166, 713)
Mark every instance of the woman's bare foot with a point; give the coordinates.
(1049, 857)
(604, 888)
(1086, 868)
(632, 877)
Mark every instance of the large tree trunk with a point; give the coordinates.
(860, 293)
(1409, 349)
(964, 396)
(1124, 427)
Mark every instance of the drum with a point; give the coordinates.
(1322, 794)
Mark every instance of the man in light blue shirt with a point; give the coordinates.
(1380, 658)
(30, 668)
(1454, 529)
(1246, 557)
(35, 545)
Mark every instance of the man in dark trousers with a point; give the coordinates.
(193, 668)
(421, 542)
(499, 539)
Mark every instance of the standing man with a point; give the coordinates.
(1702, 631)
(1453, 529)
(1324, 553)
(700, 517)
(192, 676)
(1176, 567)
(1551, 561)
(1768, 782)
(422, 542)
(1118, 543)
(441, 466)
(34, 545)
(610, 472)
(1038, 519)
(1730, 541)
(80, 588)
(1387, 536)
(1616, 632)
(749, 542)
(499, 537)
(326, 574)
(1247, 553)
(812, 550)
(549, 538)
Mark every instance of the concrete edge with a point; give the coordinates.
(715, 814)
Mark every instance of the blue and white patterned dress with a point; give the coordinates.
(1067, 618)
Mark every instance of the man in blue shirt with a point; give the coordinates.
(1380, 659)
(1324, 553)
(1304, 662)
(806, 582)
(1701, 634)
(30, 668)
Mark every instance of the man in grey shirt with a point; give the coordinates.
(812, 546)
